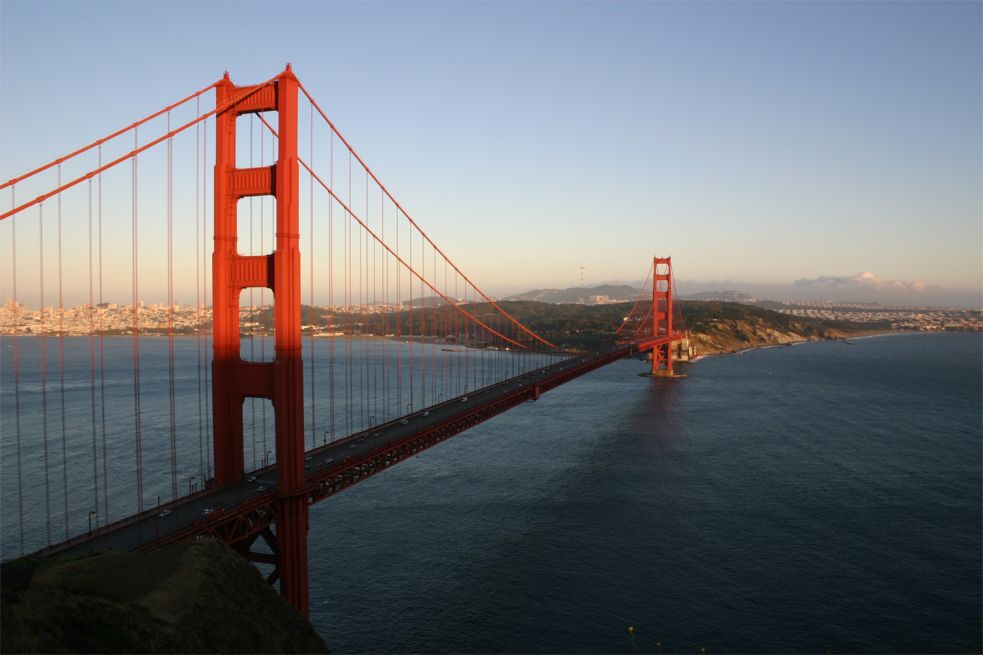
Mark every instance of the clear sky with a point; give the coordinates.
(758, 143)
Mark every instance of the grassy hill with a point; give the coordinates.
(714, 326)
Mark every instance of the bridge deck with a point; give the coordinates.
(238, 514)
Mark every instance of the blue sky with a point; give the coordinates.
(758, 143)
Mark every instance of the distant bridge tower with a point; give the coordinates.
(662, 317)
(280, 381)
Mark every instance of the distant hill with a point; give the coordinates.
(714, 327)
(580, 295)
(721, 296)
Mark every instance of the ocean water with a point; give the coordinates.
(824, 497)
(819, 498)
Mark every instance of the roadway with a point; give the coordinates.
(246, 509)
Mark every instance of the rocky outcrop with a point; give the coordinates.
(195, 597)
(733, 335)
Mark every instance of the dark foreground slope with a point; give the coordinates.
(195, 597)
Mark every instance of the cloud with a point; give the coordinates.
(865, 281)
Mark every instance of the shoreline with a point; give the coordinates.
(859, 335)
(872, 334)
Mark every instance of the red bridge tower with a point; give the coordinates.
(280, 381)
(662, 316)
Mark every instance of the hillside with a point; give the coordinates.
(723, 327)
(614, 292)
(193, 597)
(715, 327)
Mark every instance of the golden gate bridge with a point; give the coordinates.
(404, 352)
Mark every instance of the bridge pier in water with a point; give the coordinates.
(281, 381)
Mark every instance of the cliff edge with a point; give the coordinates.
(193, 597)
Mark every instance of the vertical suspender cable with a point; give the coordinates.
(262, 290)
(448, 326)
(461, 357)
(422, 342)
(462, 367)
(363, 360)
(252, 290)
(102, 368)
(331, 311)
(204, 267)
(366, 323)
(484, 357)
(170, 308)
(479, 357)
(370, 303)
(311, 319)
(440, 362)
(360, 346)
(92, 373)
(475, 348)
(386, 302)
(432, 349)
(399, 322)
(201, 418)
(44, 378)
(370, 263)
(348, 301)
(17, 433)
(363, 269)
(423, 325)
(410, 318)
(205, 287)
(375, 299)
(61, 365)
(476, 334)
(440, 334)
(136, 330)
(447, 366)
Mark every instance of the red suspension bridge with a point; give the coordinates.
(114, 439)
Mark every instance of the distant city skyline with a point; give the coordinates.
(790, 150)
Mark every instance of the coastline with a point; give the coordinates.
(844, 337)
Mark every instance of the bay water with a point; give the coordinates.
(819, 498)
(824, 497)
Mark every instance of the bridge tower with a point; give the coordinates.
(662, 316)
(281, 381)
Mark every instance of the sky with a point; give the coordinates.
(821, 150)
